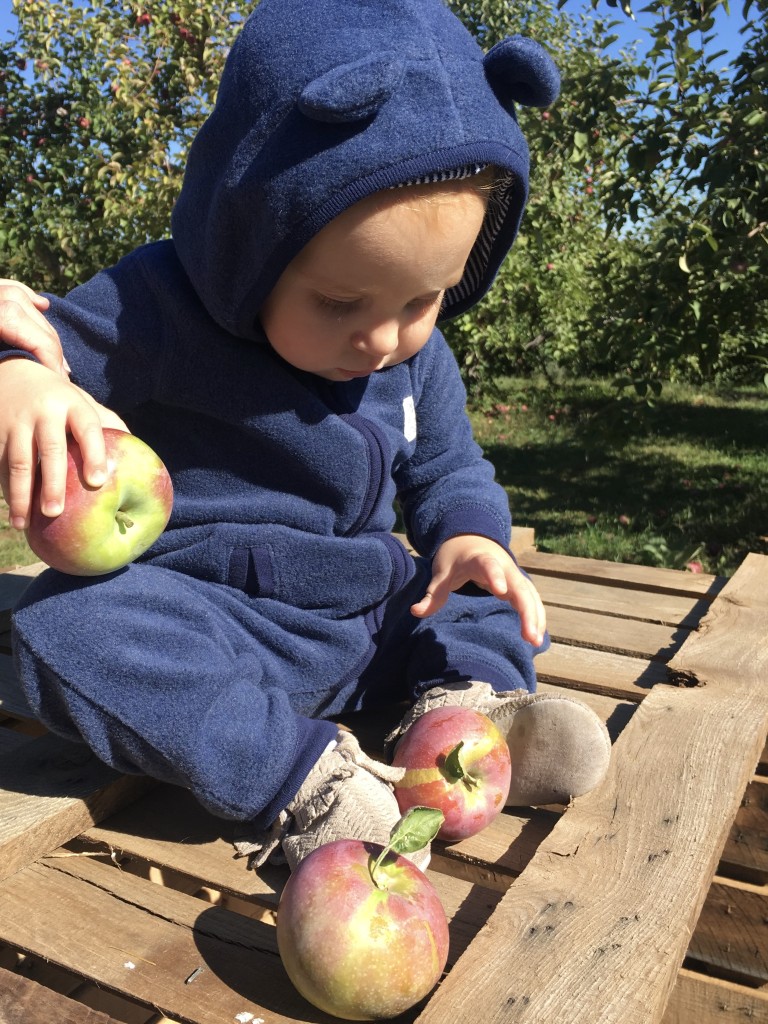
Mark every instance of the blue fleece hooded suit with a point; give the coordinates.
(278, 597)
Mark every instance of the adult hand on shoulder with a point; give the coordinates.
(469, 558)
(38, 409)
(22, 325)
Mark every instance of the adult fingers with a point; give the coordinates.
(23, 325)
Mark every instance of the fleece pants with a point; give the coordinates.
(230, 695)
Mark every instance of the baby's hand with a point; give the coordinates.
(472, 559)
(38, 408)
(22, 325)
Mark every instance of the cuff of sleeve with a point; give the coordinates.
(469, 519)
(15, 353)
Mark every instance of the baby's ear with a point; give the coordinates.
(352, 92)
(519, 70)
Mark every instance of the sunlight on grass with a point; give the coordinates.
(681, 484)
(14, 550)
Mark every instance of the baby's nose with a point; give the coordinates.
(378, 341)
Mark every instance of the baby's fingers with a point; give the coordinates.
(52, 452)
(533, 617)
(435, 597)
(19, 460)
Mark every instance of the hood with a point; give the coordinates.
(323, 102)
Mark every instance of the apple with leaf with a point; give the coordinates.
(360, 929)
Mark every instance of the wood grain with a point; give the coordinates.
(699, 1000)
(49, 791)
(594, 930)
(25, 1002)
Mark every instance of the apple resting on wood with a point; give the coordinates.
(361, 930)
(104, 528)
(458, 761)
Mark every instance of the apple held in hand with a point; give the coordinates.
(103, 528)
(361, 930)
(458, 761)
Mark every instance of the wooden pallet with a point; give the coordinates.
(645, 902)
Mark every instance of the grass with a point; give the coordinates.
(681, 484)
(13, 547)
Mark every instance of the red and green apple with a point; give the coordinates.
(360, 929)
(101, 529)
(456, 760)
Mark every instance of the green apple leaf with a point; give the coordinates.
(417, 827)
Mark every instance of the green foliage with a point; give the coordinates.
(99, 103)
(644, 248)
(643, 252)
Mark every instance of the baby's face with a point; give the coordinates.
(365, 293)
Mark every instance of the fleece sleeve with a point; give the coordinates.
(110, 330)
(447, 487)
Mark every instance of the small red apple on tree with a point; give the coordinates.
(457, 761)
(360, 929)
(104, 528)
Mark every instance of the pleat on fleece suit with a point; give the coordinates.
(278, 598)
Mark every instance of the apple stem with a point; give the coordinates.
(123, 521)
(375, 866)
(454, 770)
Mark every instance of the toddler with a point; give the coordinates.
(361, 177)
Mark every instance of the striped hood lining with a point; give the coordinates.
(479, 257)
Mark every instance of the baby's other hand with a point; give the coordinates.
(22, 325)
(469, 558)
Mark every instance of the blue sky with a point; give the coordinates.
(728, 25)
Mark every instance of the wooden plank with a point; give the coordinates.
(145, 941)
(169, 829)
(623, 574)
(51, 790)
(583, 668)
(666, 609)
(745, 854)
(523, 540)
(26, 1002)
(595, 928)
(731, 936)
(13, 583)
(167, 936)
(702, 1000)
(620, 636)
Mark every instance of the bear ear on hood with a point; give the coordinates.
(352, 92)
(519, 70)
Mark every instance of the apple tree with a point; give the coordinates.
(654, 268)
(98, 104)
